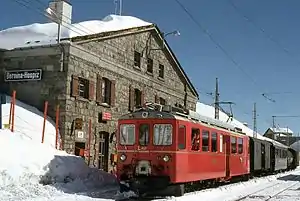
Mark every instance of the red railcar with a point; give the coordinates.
(162, 146)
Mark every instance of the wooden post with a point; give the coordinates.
(45, 118)
(13, 110)
(56, 125)
(89, 142)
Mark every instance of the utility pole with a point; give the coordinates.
(217, 103)
(120, 7)
(273, 120)
(254, 122)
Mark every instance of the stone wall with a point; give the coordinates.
(52, 86)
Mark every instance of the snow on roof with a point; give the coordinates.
(209, 111)
(44, 34)
(281, 130)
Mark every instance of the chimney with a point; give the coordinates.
(60, 11)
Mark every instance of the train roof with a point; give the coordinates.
(153, 110)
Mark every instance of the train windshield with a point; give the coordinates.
(162, 134)
(127, 134)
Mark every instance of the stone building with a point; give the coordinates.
(97, 77)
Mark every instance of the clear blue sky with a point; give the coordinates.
(269, 66)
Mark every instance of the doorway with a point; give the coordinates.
(79, 149)
(103, 151)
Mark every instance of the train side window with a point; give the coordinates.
(181, 137)
(214, 147)
(195, 139)
(240, 145)
(205, 140)
(144, 134)
(221, 143)
(162, 134)
(233, 144)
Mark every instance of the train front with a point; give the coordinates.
(146, 150)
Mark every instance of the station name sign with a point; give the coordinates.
(23, 75)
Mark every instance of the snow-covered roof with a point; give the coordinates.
(44, 34)
(281, 130)
(209, 111)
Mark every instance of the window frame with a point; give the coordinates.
(184, 144)
(161, 71)
(233, 145)
(106, 90)
(202, 140)
(137, 59)
(150, 65)
(240, 140)
(214, 142)
(84, 93)
(148, 134)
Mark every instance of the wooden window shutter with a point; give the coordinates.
(156, 98)
(75, 86)
(131, 98)
(113, 93)
(99, 89)
(142, 97)
(91, 90)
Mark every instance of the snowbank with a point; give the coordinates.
(29, 122)
(42, 34)
(24, 160)
(209, 111)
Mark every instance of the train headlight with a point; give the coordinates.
(123, 157)
(166, 158)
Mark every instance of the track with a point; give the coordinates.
(271, 191)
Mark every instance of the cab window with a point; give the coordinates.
(162, 134)
(127, 134)
(144, 134)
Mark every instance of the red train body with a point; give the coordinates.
(161, 146)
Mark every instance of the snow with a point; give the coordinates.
(282, 130)
(209, 111)
(26, 165)
(29, 122)
(284, 185)
(44, 34)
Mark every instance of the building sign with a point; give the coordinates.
(23, 75)
(106, 116)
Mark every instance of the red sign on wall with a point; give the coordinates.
(106, 116)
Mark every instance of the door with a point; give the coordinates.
(226, 143)
(103, 151)
(263, 156)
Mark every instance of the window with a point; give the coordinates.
(233, 144)
(144, 134)
(214, 147)
(161, 71)
(137, 59)
(162, 134)
(181, 137)
(127, 134)
(240, 145)
(205, 140)
(83, 87)
(150, 65)
(137, 97)
(221, 143)
(195, 139)
(162, 101)
(106, 91)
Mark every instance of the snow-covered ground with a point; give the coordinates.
(282, 187)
